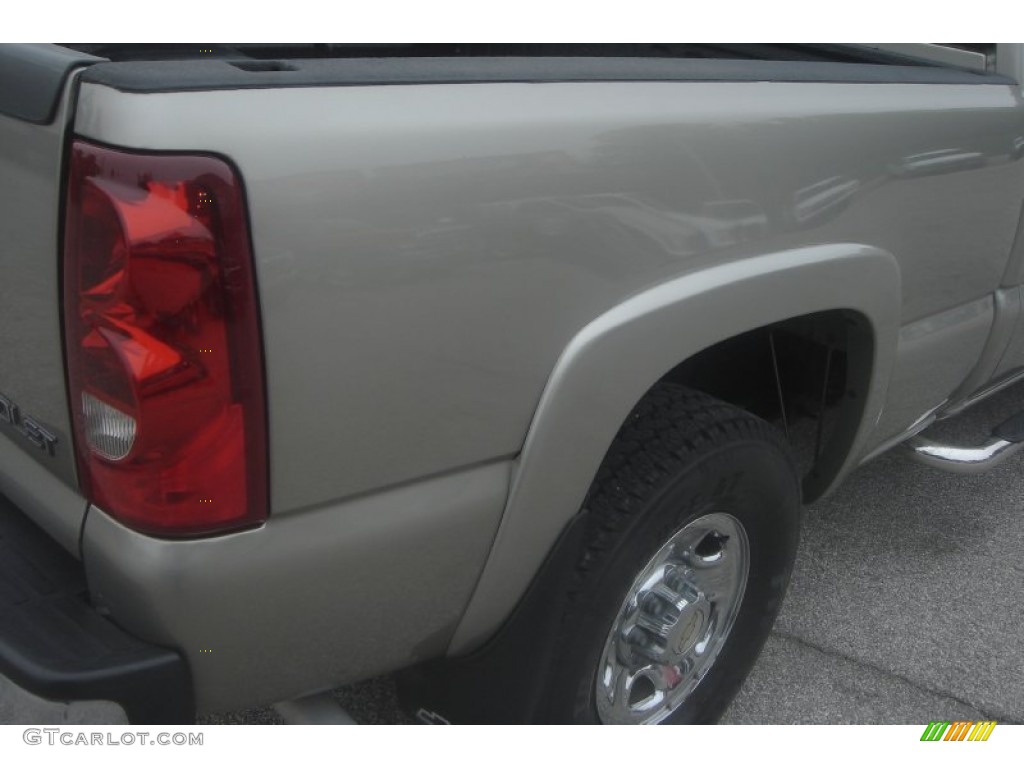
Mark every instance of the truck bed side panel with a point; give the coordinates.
(426, 252)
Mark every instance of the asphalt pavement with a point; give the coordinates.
(907, 600)
(906, 605)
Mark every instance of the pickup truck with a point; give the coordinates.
(507, 366)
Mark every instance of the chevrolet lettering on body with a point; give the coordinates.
(26, 426)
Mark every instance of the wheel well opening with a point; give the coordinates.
(808, 376)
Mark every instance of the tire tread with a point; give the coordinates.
(671, 427)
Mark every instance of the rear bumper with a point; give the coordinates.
(54, 643)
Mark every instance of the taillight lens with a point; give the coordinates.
(163, 347)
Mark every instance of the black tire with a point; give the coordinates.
(680, 455)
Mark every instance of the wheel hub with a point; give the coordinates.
(671, 618)
(674, 621)
(686, 631)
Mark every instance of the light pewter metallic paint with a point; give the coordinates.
(32, 364)
(604, 372)
(53, 506)
(431, 261)
(426, 253)
(32, 357)
(306, 601)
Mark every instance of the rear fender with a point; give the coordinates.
(609, 365)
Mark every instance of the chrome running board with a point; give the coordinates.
(1007, 440)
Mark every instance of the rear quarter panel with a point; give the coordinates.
(428, 255)
(425, 253)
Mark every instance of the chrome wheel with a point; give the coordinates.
(673, 622)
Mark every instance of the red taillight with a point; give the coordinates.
(163, 349)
